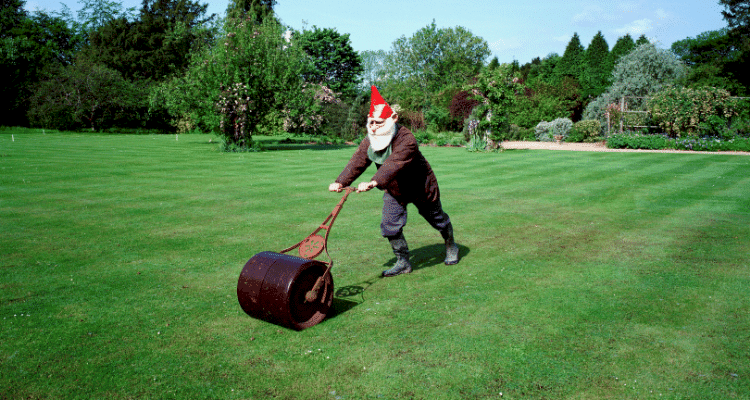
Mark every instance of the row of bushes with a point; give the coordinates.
(566, 130)
(633, 140)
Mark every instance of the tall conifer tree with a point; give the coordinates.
(624, 45)
(597, 67)
(571, 64)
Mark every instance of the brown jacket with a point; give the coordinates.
(405, 174)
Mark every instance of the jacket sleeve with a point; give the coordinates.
(357, 165)
(404, 151)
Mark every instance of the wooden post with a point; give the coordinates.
(609, 125)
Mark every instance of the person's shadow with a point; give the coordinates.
(348, 297)
(429, 256)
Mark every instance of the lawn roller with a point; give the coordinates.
(287, 290)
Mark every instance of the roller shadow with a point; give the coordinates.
(347, 297)
(429, 256)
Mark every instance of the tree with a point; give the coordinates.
(542, 101)
(373, 68)
(624, 45)
(496, 91)
(11, 16)
(737, 15)
(597, 67)
(546, 69)
(571, 63)
(334, 63)
(94, 14)
(714, 59)
(255, 10)
(434, 59)
(642, 40)
(85, 95)
(642, 72)
(156, 44)
(248, 76)
(29, 44)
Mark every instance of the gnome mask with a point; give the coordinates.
(381, 122)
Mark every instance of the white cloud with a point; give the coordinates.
(660, 13)
(589, 14)
(637, 28)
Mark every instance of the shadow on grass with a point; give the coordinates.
(347, 297)
(429, 256)
(276, 145)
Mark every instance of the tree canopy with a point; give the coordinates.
(334, 63)
(434, 58)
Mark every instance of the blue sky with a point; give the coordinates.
(519, 30)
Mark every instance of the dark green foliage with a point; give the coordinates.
(623, 46)
(629, 140)
(737, 14)
(28, 45)
(11, 16)
(597, 69)
(255, 10)
(334, 63)
(572, 62)
(544, 70)
(494, 63)
(642, 40)
(715, 59)
(86, 95)
(542, 101)
(155, 45)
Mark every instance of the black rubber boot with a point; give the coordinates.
(401, 250)
(451, 249)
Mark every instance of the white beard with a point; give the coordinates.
(381, 137)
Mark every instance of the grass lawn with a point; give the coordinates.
(584, 275)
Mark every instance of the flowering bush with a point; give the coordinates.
(687, 112)
(561, 127)
(234, 104)
(546, 131)
(495, 90)
(585, 131)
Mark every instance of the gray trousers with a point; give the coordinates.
(394, 215)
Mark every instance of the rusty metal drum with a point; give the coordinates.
(272, 287)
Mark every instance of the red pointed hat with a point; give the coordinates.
(378, 107)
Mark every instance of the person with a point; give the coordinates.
(405, 177)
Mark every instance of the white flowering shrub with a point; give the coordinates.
(561, 127)
(543, 131)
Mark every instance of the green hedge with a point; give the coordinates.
(659, 142)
